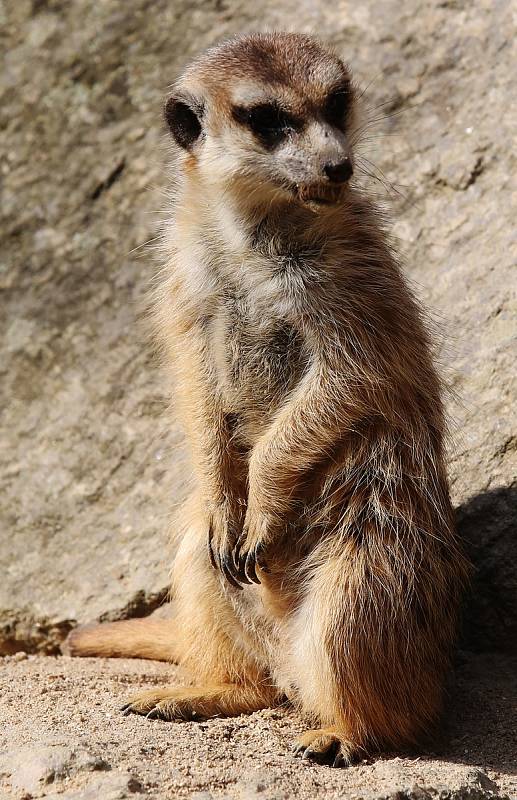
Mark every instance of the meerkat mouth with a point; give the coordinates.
(320, 194)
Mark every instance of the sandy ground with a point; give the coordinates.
(62, 735)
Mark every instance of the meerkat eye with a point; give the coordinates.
(263, 119)
(267, 121)
(337, 105)
(183, 122)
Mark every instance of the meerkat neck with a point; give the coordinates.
(272, 229)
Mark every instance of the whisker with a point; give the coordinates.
(375, 77)
(144, 244)
(378, 175)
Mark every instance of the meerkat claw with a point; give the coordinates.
(223, 562)
(239, 559)
(341, 761)
(246, 563)
(210, 548)
(154, 713)
(250, 566)
(226, 569)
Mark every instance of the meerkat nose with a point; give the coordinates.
(339, 173)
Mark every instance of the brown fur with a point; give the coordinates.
(304, 379)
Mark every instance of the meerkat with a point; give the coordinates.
(317, 558)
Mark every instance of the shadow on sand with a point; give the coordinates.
(480, 722)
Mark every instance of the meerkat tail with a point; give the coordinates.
(132, 638)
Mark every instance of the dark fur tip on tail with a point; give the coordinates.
(76, 643)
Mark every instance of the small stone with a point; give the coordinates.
(481, 779)
(20, 656)
(32, 767)
(110, 786)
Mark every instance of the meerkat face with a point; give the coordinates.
(268, 116)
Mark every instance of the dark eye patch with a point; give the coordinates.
(267, 121)
(337, 105)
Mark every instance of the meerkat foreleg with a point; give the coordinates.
(216, 462)
(310, 422)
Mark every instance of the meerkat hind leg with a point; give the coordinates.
(326, 746)
(199, 702)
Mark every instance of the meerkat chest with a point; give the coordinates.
(258, 356)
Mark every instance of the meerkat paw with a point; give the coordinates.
(177, 703)
(223, 532)
(251, 547)
(198, 702)
(168, 704)
(326, 746)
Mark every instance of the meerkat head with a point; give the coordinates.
(267, 116)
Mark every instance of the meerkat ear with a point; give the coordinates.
(184, 123)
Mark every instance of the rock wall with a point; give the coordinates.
(89, 466)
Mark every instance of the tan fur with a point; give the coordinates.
(132, 638)
(303, 376)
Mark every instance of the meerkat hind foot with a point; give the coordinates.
(196, 702)
(326, 746)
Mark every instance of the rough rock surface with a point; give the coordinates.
(88, 466)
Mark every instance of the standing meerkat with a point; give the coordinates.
(317, 556)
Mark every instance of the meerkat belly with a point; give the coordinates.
(258, 361)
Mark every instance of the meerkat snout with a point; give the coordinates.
(325, 151)
(339, 173)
